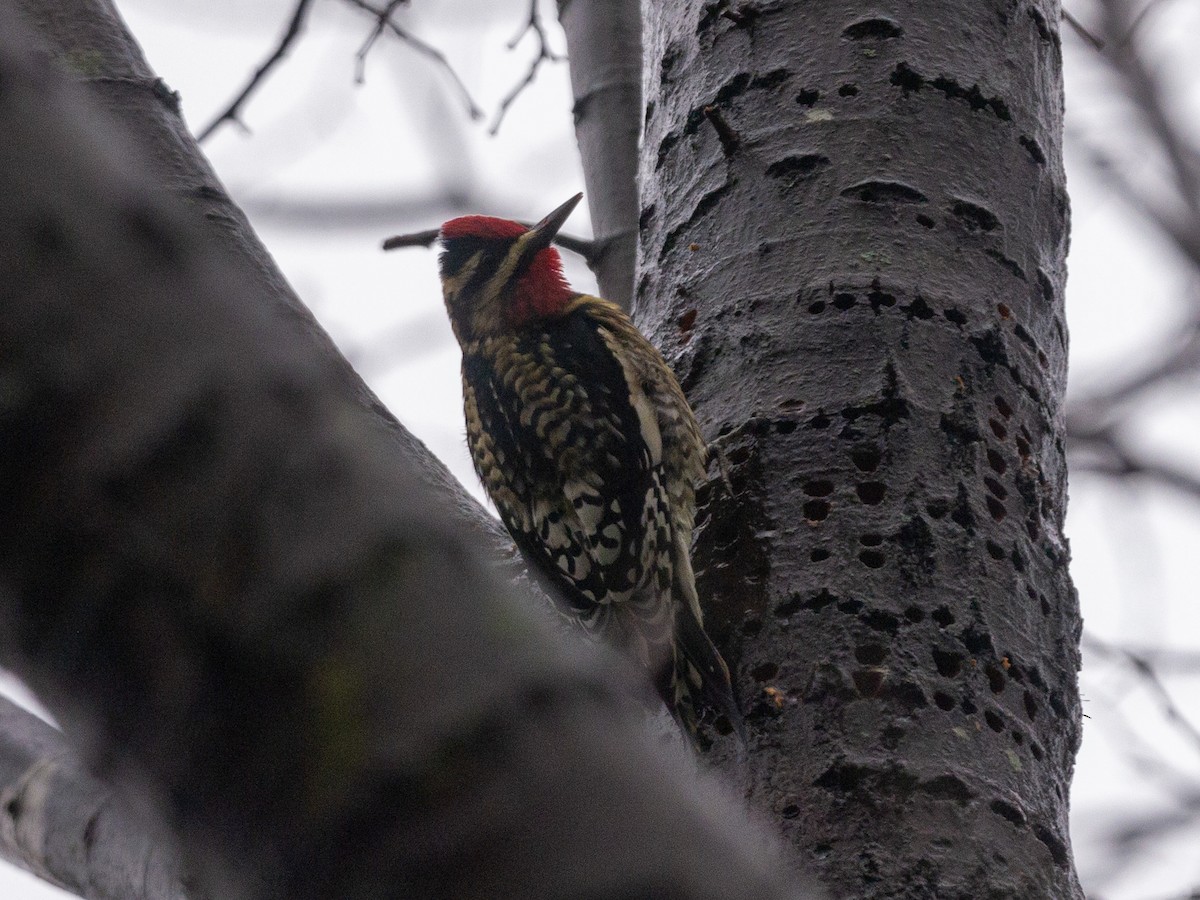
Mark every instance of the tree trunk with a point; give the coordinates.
(605, 48)
(854, 227)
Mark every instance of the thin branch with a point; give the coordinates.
(1183, 231)
(232, 112)
(1118, 27)
(1109, 455)
(1080, 29)
(360, 58)
(589, 250)
(1098, 43)
(544, 54)
(1090, 413)
(1146, 673)
(385, 22)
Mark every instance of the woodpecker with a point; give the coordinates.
(583, 439)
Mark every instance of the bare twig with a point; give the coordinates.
(414, 239)
(385, 22)
(585, 248)
(1118, 27)
(1089, 413)
(360, 58)
(233, 111)
(1080, 29)
(1147, 674)
(1101, 450)
(1099, 43)
(544, 54)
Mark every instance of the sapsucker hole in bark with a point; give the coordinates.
(996, 680)
(977, 642)
(877, 28)
(880, 300)
(870, 654)
(975, 217)
(881, 620)
(871, 492)
(919, 309)
(947, 662)
(816, 510)
(764, 671)
(1008, 811)
(866, 459)
(996, 508)
(1031, 706)
(872, 559)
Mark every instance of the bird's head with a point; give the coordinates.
(499, 276)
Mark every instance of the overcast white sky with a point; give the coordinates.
(403, 136)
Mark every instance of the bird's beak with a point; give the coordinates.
(542, 234)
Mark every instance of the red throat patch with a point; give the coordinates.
(541, 293)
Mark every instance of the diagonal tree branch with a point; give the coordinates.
(53, 807)
(232, 112)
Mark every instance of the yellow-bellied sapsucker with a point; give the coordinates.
(583, 439)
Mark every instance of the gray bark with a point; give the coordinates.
(604, 42)
(71, 829)
(854, 227)
(244, 600)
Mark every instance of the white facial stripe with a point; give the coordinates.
(455, 283)
(504, 272)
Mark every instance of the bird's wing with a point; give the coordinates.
(580, 487)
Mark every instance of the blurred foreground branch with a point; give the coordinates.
(248, 605)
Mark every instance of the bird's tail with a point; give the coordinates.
(698, 678)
